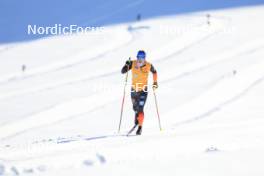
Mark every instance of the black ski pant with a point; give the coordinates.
(138, 100)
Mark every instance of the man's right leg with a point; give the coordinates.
(140, 122)
(135, 102)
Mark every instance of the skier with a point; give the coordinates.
(24, 68)
(140, 69)
(138, 17)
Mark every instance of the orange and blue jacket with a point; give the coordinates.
(140, 74)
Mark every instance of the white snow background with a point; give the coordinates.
(60, 116)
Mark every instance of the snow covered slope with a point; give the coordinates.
(60, 116)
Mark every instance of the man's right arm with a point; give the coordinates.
(127, 66)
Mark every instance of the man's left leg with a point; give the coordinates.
(141, 103)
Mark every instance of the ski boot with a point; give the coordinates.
(139, 130)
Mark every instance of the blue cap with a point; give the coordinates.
(141, 55)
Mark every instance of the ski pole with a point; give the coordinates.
(123, 99)
(156, 103)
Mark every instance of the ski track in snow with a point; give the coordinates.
(240, 51)
(62, 65)
(255, 79)
(217, 108)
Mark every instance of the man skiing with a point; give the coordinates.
(140, 69)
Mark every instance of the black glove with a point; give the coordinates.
(127, 66)
(128, 62)
(155, 85)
